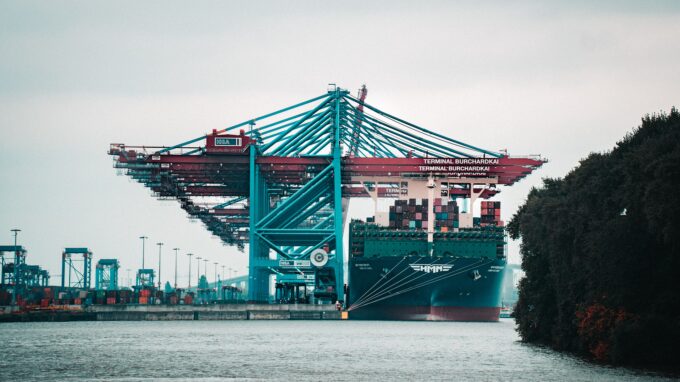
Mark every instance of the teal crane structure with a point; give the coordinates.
(281, 182)
(16, 276)
(76, 268)
(145, 279)
(106, 274)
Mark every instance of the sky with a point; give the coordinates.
(560, 79)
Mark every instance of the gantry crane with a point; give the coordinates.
(281, 182)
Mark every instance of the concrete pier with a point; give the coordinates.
(135, 312)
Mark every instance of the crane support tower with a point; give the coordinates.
(34, 276)
(106, 274)
(13, 272)
(76, 268)
(13, 267)
(145, 279)
(284, 181)
(16, 276)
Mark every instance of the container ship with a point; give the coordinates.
(429, 262)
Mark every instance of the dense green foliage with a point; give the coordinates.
(601, 252)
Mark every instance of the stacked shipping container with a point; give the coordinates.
(125, 296)
(445, 214)
(413, 214)
(491, 214)
(144, 296)
(47, 296)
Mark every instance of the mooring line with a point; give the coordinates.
(392, 283)
(381, 279)
(428, 282)
(394, 279)
(465, 269)
(400, 283)
(413, 287)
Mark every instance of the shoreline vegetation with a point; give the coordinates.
(601, 252)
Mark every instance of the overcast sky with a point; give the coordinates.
(559, 79)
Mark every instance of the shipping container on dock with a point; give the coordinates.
(5, 297)
(125, 296)
(64, 298)
(189, 298)
(100, 297)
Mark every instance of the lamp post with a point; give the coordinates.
(189, 254)
(215, 274)
(160, 246)
(143, 245)
(223, 266)
(176, 249)
(205, 266)
(16, 233)
(198, 271)
(16, 266)
(230, 272)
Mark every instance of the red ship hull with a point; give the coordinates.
(426, 313)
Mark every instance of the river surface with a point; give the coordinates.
(286, 350)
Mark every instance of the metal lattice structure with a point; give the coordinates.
(282, 181)
(76, 268)
(13, 267)
(35, 276)
(145, 279)
(18, 276)
(106, 274)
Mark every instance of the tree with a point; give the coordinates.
(601, 252)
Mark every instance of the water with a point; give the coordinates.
(285, 350)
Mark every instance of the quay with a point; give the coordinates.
(132, 312)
